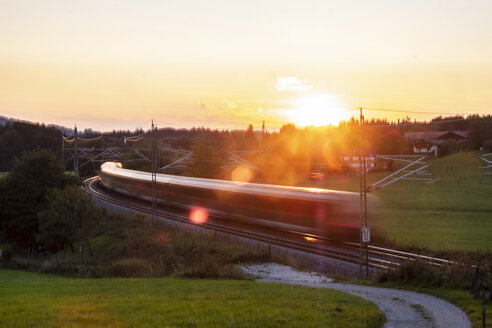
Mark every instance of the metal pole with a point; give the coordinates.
(102, 146)
(76, 155)
(262, 153)
(364, 191)
(361, 192)
(63, 149)
(154, 169)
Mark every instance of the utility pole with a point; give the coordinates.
(364, 167)
(262, 152)
(364, 230)
(361, 192)
(76, 154)
(63, 149)
(154, 169)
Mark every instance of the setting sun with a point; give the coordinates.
(317, 110)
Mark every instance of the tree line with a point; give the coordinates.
(289, 149)
(46, 218)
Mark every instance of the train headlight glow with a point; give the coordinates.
(310, 239)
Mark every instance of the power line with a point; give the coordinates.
(443, 121)
(421, 123)
(89, 140)
(68, 140)
(419, 112)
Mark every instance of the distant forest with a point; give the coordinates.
(16, 137)
(288, 152)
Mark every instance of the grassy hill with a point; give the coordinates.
(454, 213)
(35, 300)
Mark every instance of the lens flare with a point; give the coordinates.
(241, 174)
(198, 215)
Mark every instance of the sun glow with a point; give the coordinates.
(317, 110)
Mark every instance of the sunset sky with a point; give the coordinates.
(224, 64)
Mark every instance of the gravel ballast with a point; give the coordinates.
(402, 308)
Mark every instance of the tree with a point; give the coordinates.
(250, 138)
(67, 218)
(487, 145)
(480, 130)
(206, 162)
(288, 129)
(16, 137)
(23, 192)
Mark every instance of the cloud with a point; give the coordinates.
(228, 103)
(291, 83)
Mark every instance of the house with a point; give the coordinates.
(352, 163)
(427, 142)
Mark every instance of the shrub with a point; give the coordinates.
(487, 145)
(201, 256)
(7, 253)
(129, 267)
(126, 245)
(207, 268)
(422, 274)
(448, 147)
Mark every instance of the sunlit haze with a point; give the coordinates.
(224, 64)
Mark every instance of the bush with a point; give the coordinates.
(129, 267)
(449, 147)
(127, 245)
(422, 274)
(201, 256)
(487, 145)
(7, 252)
(207, 268)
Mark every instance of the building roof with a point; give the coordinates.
(436, 135)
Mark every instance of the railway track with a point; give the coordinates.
(379, 258)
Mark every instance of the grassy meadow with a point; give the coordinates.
(37, 300)
(453, 213)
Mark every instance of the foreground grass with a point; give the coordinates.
(35, 300)
(454, 213)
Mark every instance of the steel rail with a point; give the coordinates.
(320, 249)
(381, 258)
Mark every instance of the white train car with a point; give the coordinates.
(330, 213)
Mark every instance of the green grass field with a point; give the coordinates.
(35, 300)
(454, 213)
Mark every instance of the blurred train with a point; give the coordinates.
(329, 213)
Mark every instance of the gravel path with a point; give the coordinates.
(402, 308)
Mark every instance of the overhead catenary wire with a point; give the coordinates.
(410, 111)
(444, 121)
(89, 139)
(130, 139)
(68, 140)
